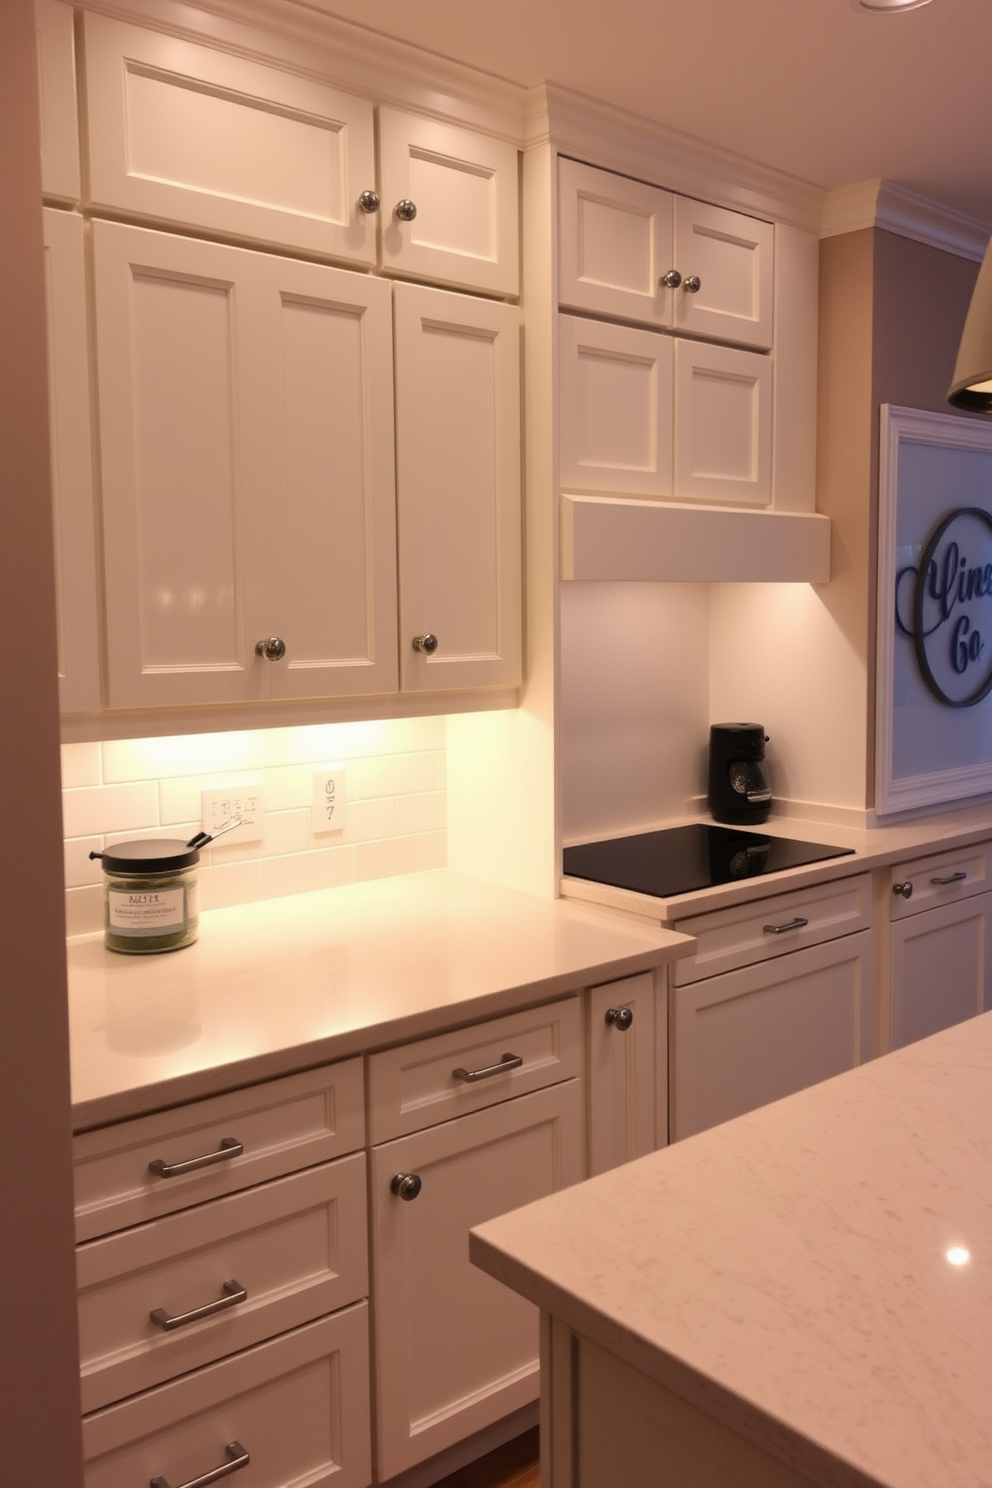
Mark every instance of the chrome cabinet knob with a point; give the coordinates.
(672, 279)
(405, 210)
(368, 201)
(904, 890)
(271, 648)
(619, 1018)
(692, 284)
(426, 644)
(405, 1185)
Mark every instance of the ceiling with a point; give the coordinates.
(814, 88)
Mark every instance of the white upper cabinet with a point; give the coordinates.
(246, 426)
(449, 204)
(635, 252)
(188, 134)
(72, 473)
(458, 474)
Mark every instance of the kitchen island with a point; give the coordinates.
(800, 1296)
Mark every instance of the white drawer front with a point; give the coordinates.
(299, 1406)
(423, 1083)
(729, 938)
(282, 1125)
(297, 1247)
(938, 878)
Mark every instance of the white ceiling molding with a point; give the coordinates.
(601, 134)
(883, 204)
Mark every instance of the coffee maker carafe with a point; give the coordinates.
(739, 792)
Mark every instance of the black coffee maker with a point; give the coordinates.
(739, 792)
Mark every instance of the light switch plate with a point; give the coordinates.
(327, 805)
(221, 803)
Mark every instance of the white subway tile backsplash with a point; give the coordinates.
(395, 821)
(109, 808)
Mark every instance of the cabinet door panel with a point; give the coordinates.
(752, 1036)
(57, 89)
(188, 134)
(732, 256)
(464, 188)
(323, 456)
(458, 479)
(941, 970)
(615, 242)
(624, 1087)
(299, 1405)
(456, 1351)
(723, 424)
(72, 472)
(615, 408)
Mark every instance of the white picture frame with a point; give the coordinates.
(933, 701)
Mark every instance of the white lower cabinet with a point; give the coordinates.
(626, 1070)
(940, 942)
(779, 995)
(454, 1352)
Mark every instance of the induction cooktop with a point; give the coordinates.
(677, 860)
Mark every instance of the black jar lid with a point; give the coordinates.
(149, 855)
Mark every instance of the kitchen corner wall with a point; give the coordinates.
(395, 818)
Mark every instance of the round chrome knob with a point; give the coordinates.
(272, 648)
(427, 644)
(672, 279)
(904, 890)
(619, 1018)
(405, 210)
(405, 1185)
(368, 201)
(692, 284)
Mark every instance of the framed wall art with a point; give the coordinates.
(933, 716)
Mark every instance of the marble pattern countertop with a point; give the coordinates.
(291, 983)
(871, 847)
(787, 1272)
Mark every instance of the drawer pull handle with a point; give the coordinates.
(508, 1062)
(620, 1018)
(950, 878)
(229, 1147)
(239, 1458)
(797, 924)
(233, 1291)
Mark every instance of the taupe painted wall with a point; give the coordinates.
(39, 1381)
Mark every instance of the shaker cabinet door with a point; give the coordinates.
(723, 425)
(458, 489)
(449, 204)
(72, 474)
(246, 446)
(941, 968)
(615, 245)
(731, 257)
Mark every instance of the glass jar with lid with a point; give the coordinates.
(149, 895)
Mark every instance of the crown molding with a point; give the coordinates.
(601, 134)
(898, 210)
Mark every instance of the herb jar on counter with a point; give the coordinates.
(149, 895)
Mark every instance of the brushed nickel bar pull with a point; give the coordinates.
(229, 1147)
(239, 1458)
(958, 877)
(233, 1291)
(508, 1062)
(797, 924)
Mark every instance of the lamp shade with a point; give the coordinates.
(971, 385)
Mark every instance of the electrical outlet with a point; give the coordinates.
(327, 800)
(221, 804)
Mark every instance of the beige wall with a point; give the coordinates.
(39, 1390)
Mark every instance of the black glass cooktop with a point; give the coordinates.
(677, 860)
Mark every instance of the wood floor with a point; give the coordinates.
(514, 1465)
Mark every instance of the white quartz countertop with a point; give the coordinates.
(290, 983)
(870, 847)
(788, 1273)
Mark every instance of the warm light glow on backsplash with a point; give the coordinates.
(396, 819)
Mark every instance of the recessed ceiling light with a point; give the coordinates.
(881, 7)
